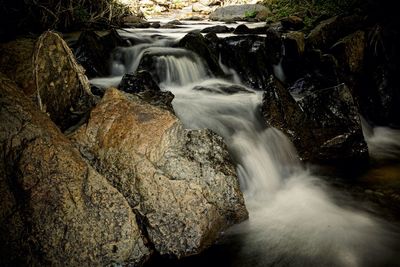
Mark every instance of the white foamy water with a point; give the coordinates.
(293, 220)
(383, 142)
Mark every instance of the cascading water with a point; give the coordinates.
(293, 219)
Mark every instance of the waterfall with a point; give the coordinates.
(294, 220)
(173, 70)
(383, 142)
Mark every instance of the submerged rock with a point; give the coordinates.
(47, 72)
(181, 183)
(324, 125)
(56, 209)
(240, 12)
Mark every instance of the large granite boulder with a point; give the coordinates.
(56, 210)
(240, 12)
(46, 71)
(181, 183)
(324, 125)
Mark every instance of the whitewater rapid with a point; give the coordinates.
(294, 220)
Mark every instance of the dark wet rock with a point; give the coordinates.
(217, 29)
(142, 84)
(292, 23)
(240, 12)
(324, 125)
(228, 89)
(322, 69)
(335, 125)
(155, 25)
(55, 209)
(293, 60)
(213, 42)
(194, 41)
(329, 31)
(349, 51)
(379, 91)
(47, 72)
(243, 29)
(97, 90)
(181, 183)
(273, 45)
(281, 111)
(247, 55)
(92, 51)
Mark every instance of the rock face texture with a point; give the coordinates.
(180, 183)
(56, 209)
(324, 125)
(247, 55)
(46, 70)
(240, 12)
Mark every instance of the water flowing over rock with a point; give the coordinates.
(56, 210)
(173, 65)
(181, 183)
(324, 125)
(240, 12)
(195, 42)
(47, 72)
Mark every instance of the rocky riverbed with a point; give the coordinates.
(101, 164)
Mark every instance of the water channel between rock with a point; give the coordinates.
(294, 220)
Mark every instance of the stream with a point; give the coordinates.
(294, 219)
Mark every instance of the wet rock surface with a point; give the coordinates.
(47, 72)
(142, 84)
(324, 125)
(247, 55)
(195, 42)
(181, 183)
(56, 209)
